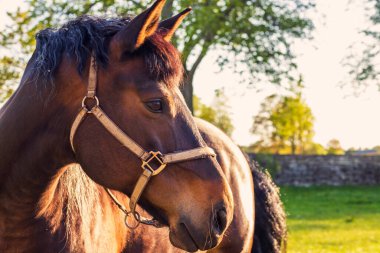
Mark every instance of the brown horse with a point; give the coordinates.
(131, 75)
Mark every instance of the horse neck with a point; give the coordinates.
(41, 197)
(33, 134)
(34, 146)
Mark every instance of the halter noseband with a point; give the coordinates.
(153, 162)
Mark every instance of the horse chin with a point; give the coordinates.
(184, 238)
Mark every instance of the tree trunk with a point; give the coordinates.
(293, 146)
(187, 90)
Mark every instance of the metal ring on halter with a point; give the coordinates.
(135, 215)
(84, 102)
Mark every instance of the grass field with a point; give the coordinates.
(333, 219)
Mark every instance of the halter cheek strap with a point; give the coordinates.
(153, 162)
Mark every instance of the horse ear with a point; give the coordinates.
(170, 25)
(142, 26)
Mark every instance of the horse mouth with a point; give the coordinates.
(182, 238)
(157, 215)
(163, 222)
(189, 235)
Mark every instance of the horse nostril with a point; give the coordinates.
(219, 221)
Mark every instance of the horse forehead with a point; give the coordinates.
(134, 68)
(136, 76)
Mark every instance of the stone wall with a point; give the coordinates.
(325, 170)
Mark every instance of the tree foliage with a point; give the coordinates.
(364, 67)
(313, 148)
(284, 124)
(217, 113)
(377, 149)
(257, 33)
(334, 147)
(7, 73)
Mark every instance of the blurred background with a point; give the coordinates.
(293, 82)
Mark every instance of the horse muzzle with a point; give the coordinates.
(205, 235)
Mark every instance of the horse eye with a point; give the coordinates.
(154, 105)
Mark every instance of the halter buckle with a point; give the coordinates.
(154, 163)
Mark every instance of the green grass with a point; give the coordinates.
(333, 219)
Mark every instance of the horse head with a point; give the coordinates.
(137, 78)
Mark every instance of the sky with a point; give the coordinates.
(353, 120)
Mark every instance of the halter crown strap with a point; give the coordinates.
(92, 79)
(153, 162)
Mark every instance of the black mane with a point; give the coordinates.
(78, 38)
(86, 34)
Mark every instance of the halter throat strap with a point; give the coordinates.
(153, 162)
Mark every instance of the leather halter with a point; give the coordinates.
(153, 162)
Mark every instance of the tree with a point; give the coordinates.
(377, 149)
(314, 149)
(255, 33)
(7, 73)
(364, 67)
(263, 127)
(334, 147)
(285, 122)
(216, 114)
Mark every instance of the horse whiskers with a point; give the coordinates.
(226, 234)
(209, 236)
